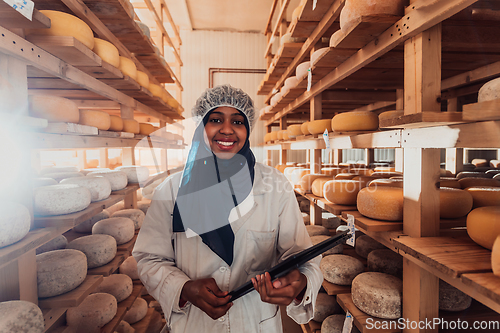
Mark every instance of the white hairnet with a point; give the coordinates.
(224, 95)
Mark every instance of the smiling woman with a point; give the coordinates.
(226, 132)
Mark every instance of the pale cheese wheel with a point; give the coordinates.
(276, 98)
(365, 244)
(483, 225)
(381, 203)
(144, 27)
(454, 203)
(289, 170)
(142, 79)
(355, 121)
(129, 267)
(316, 230)
(325, 306)
(99, 187)
(338, 249)
(64, 24)
(54, 109)
(94, 312)
(128, 68)
(146, 129)
(115, 123)
(116, 207)
(354, 9)
(330, 221)
(468, 182)
(484, 196)
(95, 118)
(305, 128)
(15, 222)
(44, 181)
(57, 243)
(307, 180)
(386, 182)
(60, 271)
(378, 294)
(390, 115)
(155, 89)
(489, 91)
(63, 175)
(335, 324)
(317, 186)
(318, 54)
(21, 316)
(340, 269)
(89, 170)
(319, 126)
(118, 285)
(121, 228)
(99, 249)
(336, 38)
(341, 192)
(495, 257)
(60, 199)
(56, 169)
(291, 82)
(294, 131)
(452, 299)
(297, 175)
(86, 226)
(131, 126)
(124, 327)
(135, 173)
(117, 179)
(385, 261)
(107, 52)
(302, 70)
(137, 311)
(135, 215)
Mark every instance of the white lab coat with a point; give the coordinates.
(268, 228)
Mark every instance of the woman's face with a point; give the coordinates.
(225, 131)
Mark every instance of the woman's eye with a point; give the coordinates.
(238, 122)
(215, 120)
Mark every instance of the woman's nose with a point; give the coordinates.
(227, 128)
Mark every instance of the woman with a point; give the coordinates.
(225, 220)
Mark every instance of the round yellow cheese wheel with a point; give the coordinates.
(484, 195)
(331, 171)
(143, 79)
(449, 182)
(386, 182)
(345, 176)
(280, 135)
(468, 182)
(355, 121)
(96, 118)
(319, 126)
(107, 51)
(341, 192)
(483, 225)
(306, 181)
(354, 9)
(336, 37)
(131, 126)
(156, 90)
(495, 257)
(301, 70)
(172, 102)
(454, 203)
(274, 136)
(285, 135)
(297, 175)
(381, 203)
(289, 171)
(267, 137)
(294, 131)
(54, 109)
(305, 128)
(128, 67)
(146, 129)
(318, 184)
(64, 24)
(390, 115)
(116, 123)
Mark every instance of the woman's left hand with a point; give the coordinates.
(283, 290)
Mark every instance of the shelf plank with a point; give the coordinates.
(423, 119)
(11, 18)
(371, 225)
(125, 83)
(335, 289)
(156, 66)
(71, 129)
(486, 284)
(54, 319)
(104, 71)
(111, 267)
(73, 297)
(333, 57)
(143, 324)
(489, 110)
(123, 307)
(315, 14)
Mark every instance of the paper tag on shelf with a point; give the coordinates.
(352, 230)
(326, 138)
(347, 323)
(309, 79)
(315, 2)
(25, 7)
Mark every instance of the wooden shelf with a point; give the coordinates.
(311, 327)
(143, 324)
(11, 18)
(128, 246)
(485, 284)
(423, 119)
(335, 289)
(111, 267)
(371, 225)
(73, 297)
(489, 110)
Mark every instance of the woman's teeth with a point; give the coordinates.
(224, 143)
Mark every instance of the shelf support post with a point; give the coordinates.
(283, 152)
(315, 212)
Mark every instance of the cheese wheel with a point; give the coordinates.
(155, 89)
(99, 249)
(142, 79)
(115, 123)
(381, 203)
(483, 225)
(386, 182)
(495, 164)
(317, 186)
(94, 312)
(280, 135)
(345, 176)
(306, 218)
(137, 311)
(318, 54)
(135, 173)
(340, 269)
(452, 299)
(116, 207)
(118, 285)
(319, 126)
(365, 244)
(276, 98)
(472, 174)
(304, 206)
(489, 91)
(329, 220)
(480, 162)
(267, 137)
(107, 51)
(449, 182)
(128, 68)
(57, 243)
(325, 306)
(468, 182)
(86, 226)
(305, 128)
(378, 294)
(495, 257)
(144, 27)
(63, 175)
(330, 171)
(64, 24)
(336, 38)
(117, 179)
(131, 126)
(54, 109)
(135, 215)
(384, 169)
(297, 175)
(15, 222)
(364, 180)
(129, 267)
(306, 181)
(291, 82)
(60, 199)
(289, 170)
(124, 327)
(335, 324)
(21, 316)
(274, 136)
(484, 196)
(285, 136)
(355, 121)
(296, 12)
(454, 203)
(354, 9)
(146, 129)
(60, 271)
(121, 228)
(385, 261)
(95, 118)
(44, 181)
(99, 187)
(89, 170)
(316, 230)
(302, 69)
(341, 192)
(334, 250)
(294, 131)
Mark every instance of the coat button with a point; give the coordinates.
(222, 269)
(221, 319)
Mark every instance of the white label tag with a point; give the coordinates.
(25, 7)
(309, 79)
(352, 231)
(326, 138)
(179, 142)
(315, 2)
(347, 323)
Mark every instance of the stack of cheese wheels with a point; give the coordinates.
(15, 222)
(365, 244)
(118, 285)
(381, 203)
(115, 123)
(484, 196)
(60, 271)
(454, 203)
(135, 215)
(452, 299)
(340, 269)
(483, 225)
(57, 243)
(316, 230)
(137, 311)
(135, 173)
(64, 24)
(94, 312)
(128, 68)
(469, 182)
(355, 121)
(378, 294)
(121, 228)
(489, 91)
(60, 199)
(306, 181)
(319, 126)
(305, 128)
(129, 267)
(325, 306)
(95, 118)
(99, 249)
(294, 131)
(86, 226)
(336, 38)
(21, 316)
(385, 261)
(107, 51)
(146, 129)
(334, 250)
(317, 186)
(302, 70)
(99, 187)
(117, 179)
(143, 79)
(54, 109)
(355, 9)
(341, 192)
(387, 115)
(131, 126)
(297, 175)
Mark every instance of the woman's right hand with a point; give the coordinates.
(206, 295)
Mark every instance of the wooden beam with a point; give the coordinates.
(358, 95)
(171, 21)
(270, 18)
(483, 73)
(276, 27)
